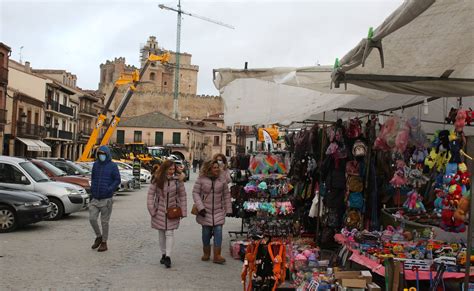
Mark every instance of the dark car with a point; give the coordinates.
(67, 166)
(18, 208)
(56, 174)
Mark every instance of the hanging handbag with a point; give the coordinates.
(174, 212)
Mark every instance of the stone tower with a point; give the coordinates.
(157, 85)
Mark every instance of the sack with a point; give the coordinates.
(356, 200)
(174, 212)
(355, 184)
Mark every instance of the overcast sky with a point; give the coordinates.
(80, 35)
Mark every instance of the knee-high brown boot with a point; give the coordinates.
(218, 259)
(207, 253)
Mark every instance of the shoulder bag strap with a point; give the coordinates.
(177, 204)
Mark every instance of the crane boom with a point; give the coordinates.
(134, 78)
(196, 15)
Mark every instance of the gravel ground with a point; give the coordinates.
(57, 254)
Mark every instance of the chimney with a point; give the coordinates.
(27, 67)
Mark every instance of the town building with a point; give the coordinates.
(5, 52)
(188, 139)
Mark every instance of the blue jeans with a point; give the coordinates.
(208, 232)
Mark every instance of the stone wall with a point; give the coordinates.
(192, 106)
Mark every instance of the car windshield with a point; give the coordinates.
(53, 169)
(87, 167)
(81, 170)
(34, 172)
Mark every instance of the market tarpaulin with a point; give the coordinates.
(421, 59)
(426, 47)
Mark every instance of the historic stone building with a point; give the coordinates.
(156, 93)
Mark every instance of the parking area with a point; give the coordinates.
(57, 254)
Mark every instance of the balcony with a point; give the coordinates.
(88, 111)
(29, 130)
(3, 116)
(65, 135)
(55, 106)
(85, 133)
(66, 110)
(4, 76)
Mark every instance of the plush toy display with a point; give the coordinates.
(460, 120)
(413, 203)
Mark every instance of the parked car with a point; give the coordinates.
(21, 174)
(18, 208)
(67, 166)
(145, 175)
(127, 181)
(59, 175)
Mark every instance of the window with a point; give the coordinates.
(65, 100)
(137, 136)
(10, 174)
(152, 76)
(34, 172)
(120, 136)
(216, 140)
(158, 138)
(176, 137)
(229, 138)
(166, 83)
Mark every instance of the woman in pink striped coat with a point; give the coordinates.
(166, 191)
(212, 198)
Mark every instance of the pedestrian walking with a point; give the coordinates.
(165, 195)
(223, 166)
(195, 165)
(212, 198)
(104, 181)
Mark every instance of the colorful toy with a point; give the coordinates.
(413, 203)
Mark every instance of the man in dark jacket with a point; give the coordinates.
(104, 181)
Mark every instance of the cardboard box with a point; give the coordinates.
(373, 287)
(354, 279)
(354, 283)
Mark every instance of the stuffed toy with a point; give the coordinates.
(386, 139)
(417, 135)
(355, 128)
(462, 210)
(413, 203)
(460, 120)
(399, 177)
(469, 116)
(451, 118)
(455, 148)
(416, 178)
(419, 155)
(438, 203)
(401, 141)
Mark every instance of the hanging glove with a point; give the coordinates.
(202, 212)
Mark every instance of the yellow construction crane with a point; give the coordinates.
(132, 79)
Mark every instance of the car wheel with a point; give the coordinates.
(57, 210)
(7, 219)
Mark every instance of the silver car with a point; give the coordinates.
(21, 174)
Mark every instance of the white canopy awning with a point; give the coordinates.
(428, 51)
(44, 147)
(34, 145)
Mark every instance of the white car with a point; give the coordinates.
(126, 179)
(21, 174)
(145, 175)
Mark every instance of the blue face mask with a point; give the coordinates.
(102, 157)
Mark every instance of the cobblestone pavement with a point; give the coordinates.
(57, 254)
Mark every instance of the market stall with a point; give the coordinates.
(384, 132)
